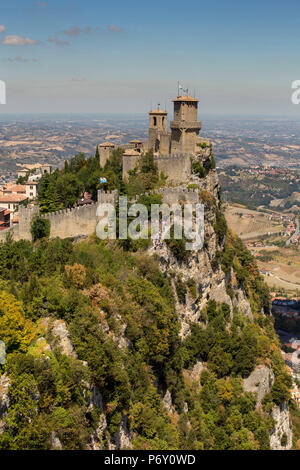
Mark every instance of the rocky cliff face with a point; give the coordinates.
(260, 382)
(210, 280)
(4, 398)
(211, 285)
(281, 437)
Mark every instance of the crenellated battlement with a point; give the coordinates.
(176, 190)
(179, 194)
(69, 211)
(28, 212)
(173, 195)
(107, 197)
(65, 223)
(81, 220)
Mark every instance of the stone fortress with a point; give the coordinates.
(172, 149)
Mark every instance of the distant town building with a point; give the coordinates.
(11, 201)
(38, 168)
(4, 218)
(29, 189)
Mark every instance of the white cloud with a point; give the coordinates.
(114, 29)
(72, 31)
(75, 31)
(2, 28)
(20, 59)
(15, 40)
(58, 42)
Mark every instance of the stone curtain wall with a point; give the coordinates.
(175, 195)
(129, 163)
(81, 221)
(26, 215)
(73, 222)
(64, 223)
(5, 233)
(177, 168)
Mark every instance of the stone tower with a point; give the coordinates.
(131, 159)
(26, 216)
(105, 151)
(185, 127)
(159, 138)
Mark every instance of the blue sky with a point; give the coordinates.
(118, 56)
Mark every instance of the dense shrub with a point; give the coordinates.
(198, 169)
(40, 228)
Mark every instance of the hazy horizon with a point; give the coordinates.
(144, 116)
(237, 58)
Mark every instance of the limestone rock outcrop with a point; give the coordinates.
(167, 401)
(210, 281)
(281, 436)
(197, 371)
(98, 436)
(55, 442)
(59, 336)
(259, 382)
(4, 397)
(123, 436)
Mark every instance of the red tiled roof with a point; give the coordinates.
(83, 202)
(107, 144)
(12, 198)
(14, 188)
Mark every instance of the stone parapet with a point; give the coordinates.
(185, 125)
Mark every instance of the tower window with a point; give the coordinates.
(154, 121)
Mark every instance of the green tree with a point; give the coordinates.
(40, 228)
(97, 155)
(69, 189)
(16, 330)
(48, 196)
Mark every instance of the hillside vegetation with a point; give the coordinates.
(120, 312)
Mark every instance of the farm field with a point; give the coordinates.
(282, 266)
(250, 224)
